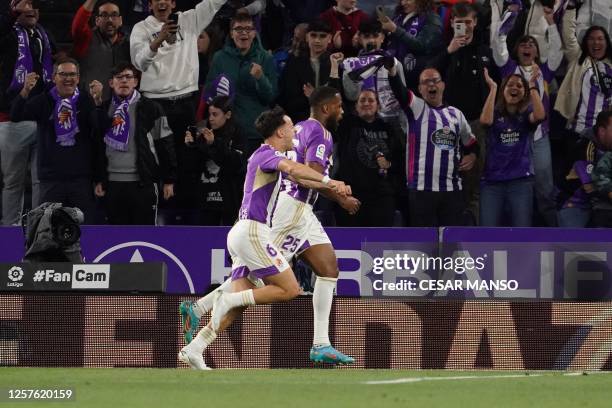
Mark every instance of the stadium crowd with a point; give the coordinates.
(492, 113)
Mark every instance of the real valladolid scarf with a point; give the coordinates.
(64, 115)
(118, 134)
(25, 63)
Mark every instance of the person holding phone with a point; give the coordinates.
(164, 47)
(415, 34)
(216, 151)
(462, 64)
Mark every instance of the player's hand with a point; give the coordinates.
(340, 187)
(168, 191)
(30, 82)
(456, 43)
(467, 162)
(209, 136)
(95, 90)
(256, 71)
(308, 89)
(350, 204)
(99, 190)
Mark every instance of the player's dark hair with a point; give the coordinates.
(269, 121)
(322, 95)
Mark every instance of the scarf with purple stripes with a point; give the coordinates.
(65, 119)
(25, 62)
(117, 136)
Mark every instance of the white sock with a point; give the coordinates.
(242, 298)
(205, 303)
(322, 299)
(204, 339)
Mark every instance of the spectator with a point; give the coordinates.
(587, 87)
(167, 55)
(508, 174)
(251, 72)
(462, 64)
(415, 34)
(602, 174)
(139, 150)
(344, 19)
(439, 146)
(526, 56)
(218, 152)
(100, 49)
(306, 72)
(368, 154)
(593, 12)
(26, 50)
(67, 143)
(358, 76)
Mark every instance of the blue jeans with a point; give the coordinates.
(544, 186)
(574, 217)
(17, 152)
(516, 195)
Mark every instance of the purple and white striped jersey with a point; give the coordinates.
(261, 185)
(435, 136)
(312, 143)
(593, 99)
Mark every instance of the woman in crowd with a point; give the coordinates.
(415, 34)
(507, 180)
(524, 57)
(216, 153)
(368, 158)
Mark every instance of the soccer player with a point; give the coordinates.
(250, 239)
(296, 229)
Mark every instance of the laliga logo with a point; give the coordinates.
(15, 273)
(137, 257)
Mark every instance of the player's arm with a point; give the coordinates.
(303, 174)
(348, 202)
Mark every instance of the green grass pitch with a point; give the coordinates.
(313, 388)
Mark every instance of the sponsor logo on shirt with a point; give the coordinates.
(444, 138)
(321, 152)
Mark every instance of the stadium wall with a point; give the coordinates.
(145, 331)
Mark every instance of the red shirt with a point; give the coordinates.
(347, 24)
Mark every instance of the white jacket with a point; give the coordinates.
(173, 69)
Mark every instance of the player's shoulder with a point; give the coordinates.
(312, 129)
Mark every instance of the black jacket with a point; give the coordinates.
(55, 162)
(296, 74)
(150, 168)
(8, 58)
(463, 72)
(221, 182)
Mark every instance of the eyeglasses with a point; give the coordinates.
(112, 16)
(127, 77)
(430, 81)
(245, 30)
(68, 74)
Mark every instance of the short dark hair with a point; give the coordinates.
(122, 66)
(319, 25)
(104, 2)
(269, 121)
(463, 10)
(603, 119)
(322, 95)
(66, 60)
(370, 27)
(241, 18)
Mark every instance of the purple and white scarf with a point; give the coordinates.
(25, 63)
(118, 135)
(65, 120)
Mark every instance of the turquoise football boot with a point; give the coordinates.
(328, 354)
(189, 319)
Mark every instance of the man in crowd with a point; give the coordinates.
(26, 50)
(133, 166)
(100, 49)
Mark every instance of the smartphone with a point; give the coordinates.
(380, 12)
(460, 29)
(173, 18)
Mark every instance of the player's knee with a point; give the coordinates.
(329, 272)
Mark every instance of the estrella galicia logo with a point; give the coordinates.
(444, 138)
